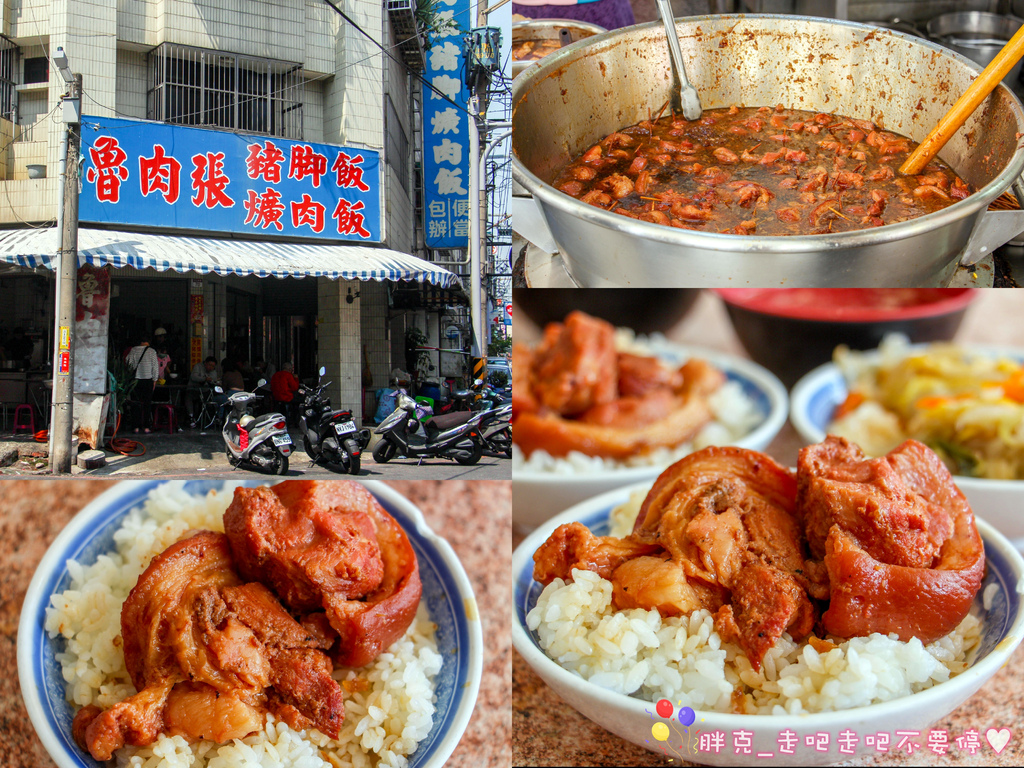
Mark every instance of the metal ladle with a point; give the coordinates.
(689, 101)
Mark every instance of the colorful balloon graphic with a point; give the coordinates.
(686, 716)
(660, 731)
(664, 708)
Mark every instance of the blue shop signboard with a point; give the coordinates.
(446, 134)
(137, 172)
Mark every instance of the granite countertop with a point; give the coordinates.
(550, 732)
(474, 516)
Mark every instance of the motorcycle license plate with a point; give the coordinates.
(344, 427)
(281, 439)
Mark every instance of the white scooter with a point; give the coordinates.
(260, 442)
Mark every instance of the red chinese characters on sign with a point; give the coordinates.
(242, 184)
(209, 181)
(159, 173)
(350, 174)
(349, 221)
(195, 309)
(264, 161)
(305, 161)
(264, 210)
(308, 213)
(108, 169)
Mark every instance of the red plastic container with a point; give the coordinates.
(792, 330)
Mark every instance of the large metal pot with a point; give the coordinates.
(978, 36)
(579, 95)
(548, 29)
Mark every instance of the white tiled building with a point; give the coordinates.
(171, 60)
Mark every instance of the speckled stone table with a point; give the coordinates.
(547, 731)
(474, 516)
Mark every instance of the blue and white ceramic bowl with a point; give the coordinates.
(632, 718)
(537, 496)
(446, 590)
(999, 502)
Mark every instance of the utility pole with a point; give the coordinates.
(482, 60)
(477, 203)
(67, 281)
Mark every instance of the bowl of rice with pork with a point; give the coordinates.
(737, 596)
(597, 407)
(965, 402)
(149, 638)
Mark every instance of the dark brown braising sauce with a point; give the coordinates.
(759, 171)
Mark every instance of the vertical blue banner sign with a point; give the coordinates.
(163, 175)
(446, 136)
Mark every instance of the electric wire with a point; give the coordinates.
(418, 76)
(246, 99)
(48, 223)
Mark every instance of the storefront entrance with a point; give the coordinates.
(139, 306)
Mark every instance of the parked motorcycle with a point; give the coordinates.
(449, 436)
(330, 437)
(473, 400)
(496, 429)
(260, 442)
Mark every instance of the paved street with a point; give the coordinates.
(190, 453)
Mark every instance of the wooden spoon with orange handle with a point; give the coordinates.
(989, 78)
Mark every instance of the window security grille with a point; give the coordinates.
(396, 149)
(194, 86)
(8, 59)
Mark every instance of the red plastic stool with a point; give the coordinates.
(29, 412)
(163, 416)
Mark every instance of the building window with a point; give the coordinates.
(37, 69)
(396, 148)
(193, 86)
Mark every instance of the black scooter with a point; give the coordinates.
(449, 436)
(330, 437)
(496, 429)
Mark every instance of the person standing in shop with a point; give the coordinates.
(144, 360)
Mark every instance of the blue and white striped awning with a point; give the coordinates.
(38, 248)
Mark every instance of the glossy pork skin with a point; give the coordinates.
(716, 531)
(897, 538)
(332, 548)
(204, 651)
(576, 393)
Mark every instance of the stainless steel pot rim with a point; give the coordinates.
(754, 243)
(520, 26)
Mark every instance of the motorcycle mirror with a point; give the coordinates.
(261, 383)
(219, 390)
(478, 382)
(323, 370)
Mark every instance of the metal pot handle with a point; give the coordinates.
(994, 229)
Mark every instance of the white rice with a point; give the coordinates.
(383, 724)
(735, 415)
(683, 659)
